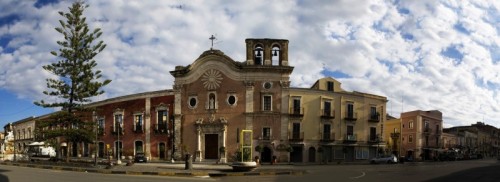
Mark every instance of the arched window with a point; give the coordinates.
(139, 147)
(259, 55)
(276, 56)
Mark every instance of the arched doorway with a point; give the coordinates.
(162, 150)
(312, 154)
(266, 155)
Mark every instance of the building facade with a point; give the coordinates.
(392, 135)
(336, 125)
(421, 132)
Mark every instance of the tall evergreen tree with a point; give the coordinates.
(76, 80)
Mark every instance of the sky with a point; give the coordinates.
(421, 55)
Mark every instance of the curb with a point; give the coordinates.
(161, 173)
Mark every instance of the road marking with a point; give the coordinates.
(362, 175)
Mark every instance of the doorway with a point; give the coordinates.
(162, 150)
(211, 146)
(296, 154)
(266, 155)
(312, 154)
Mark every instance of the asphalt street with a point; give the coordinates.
(472, 170)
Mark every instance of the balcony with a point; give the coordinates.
(327, 137)
(427, 131)
(100, 131)
(297, 112)
(327, 114)
(161, 128)
(296, 136)
(373, 139)
(375, 117)
(351, 116)
(350, 138)
(138, 129)
(265, 138)
(116, 129)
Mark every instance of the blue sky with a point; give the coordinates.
(426, 54)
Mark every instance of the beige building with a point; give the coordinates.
(24, 133)
(336, 124)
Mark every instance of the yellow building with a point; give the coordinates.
(333, 124)
(392, 135)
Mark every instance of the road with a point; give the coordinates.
(473, 170)
(467, 171)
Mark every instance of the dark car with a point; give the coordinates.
(140, 157)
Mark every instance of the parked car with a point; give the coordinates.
(140, 157)
(389, 159)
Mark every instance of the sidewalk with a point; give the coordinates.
(165, 169)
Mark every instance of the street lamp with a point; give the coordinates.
(120, 125)
(95, 140)
(172, 136)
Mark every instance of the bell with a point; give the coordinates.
(258, 53)
(275, 53)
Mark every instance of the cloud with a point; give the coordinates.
(420, 54)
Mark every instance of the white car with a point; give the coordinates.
(389, 159)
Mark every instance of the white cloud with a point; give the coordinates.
(389, 48)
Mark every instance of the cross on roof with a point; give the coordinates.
(212, 38)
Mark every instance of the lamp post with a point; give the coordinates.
(14, 141)
(173, 140)
(95, 140)
(120, 124)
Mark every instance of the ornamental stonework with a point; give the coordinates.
(211, 79)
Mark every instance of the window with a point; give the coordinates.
(138, 147)
(118, 124)
(266, 133)
(100, 123)
(373, 113)
(138, 123)
(327, 110)
(296, 105)
(29, 133)
(426, 125)
(192, 102)
(268, 85)
(373, 134)
(410, 138)
(267, 103)
(296, 131)
(329, 86)
(410, 124)
(161, 125)
(231, 100)
(326, 132)
(350, 110)
(437, 129)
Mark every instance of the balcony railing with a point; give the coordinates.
(100, 131)
(327, 114)
(117, 129)
(138, 129)
(351, 116)
(375, 117)
(427, 130)
(161, 128)
(350, 138)
(296, 136)
(327, 137)
(373, 139)
(297, 111)
(265, 137)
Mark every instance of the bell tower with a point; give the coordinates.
(267, 52)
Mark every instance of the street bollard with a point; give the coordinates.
(188, 163)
